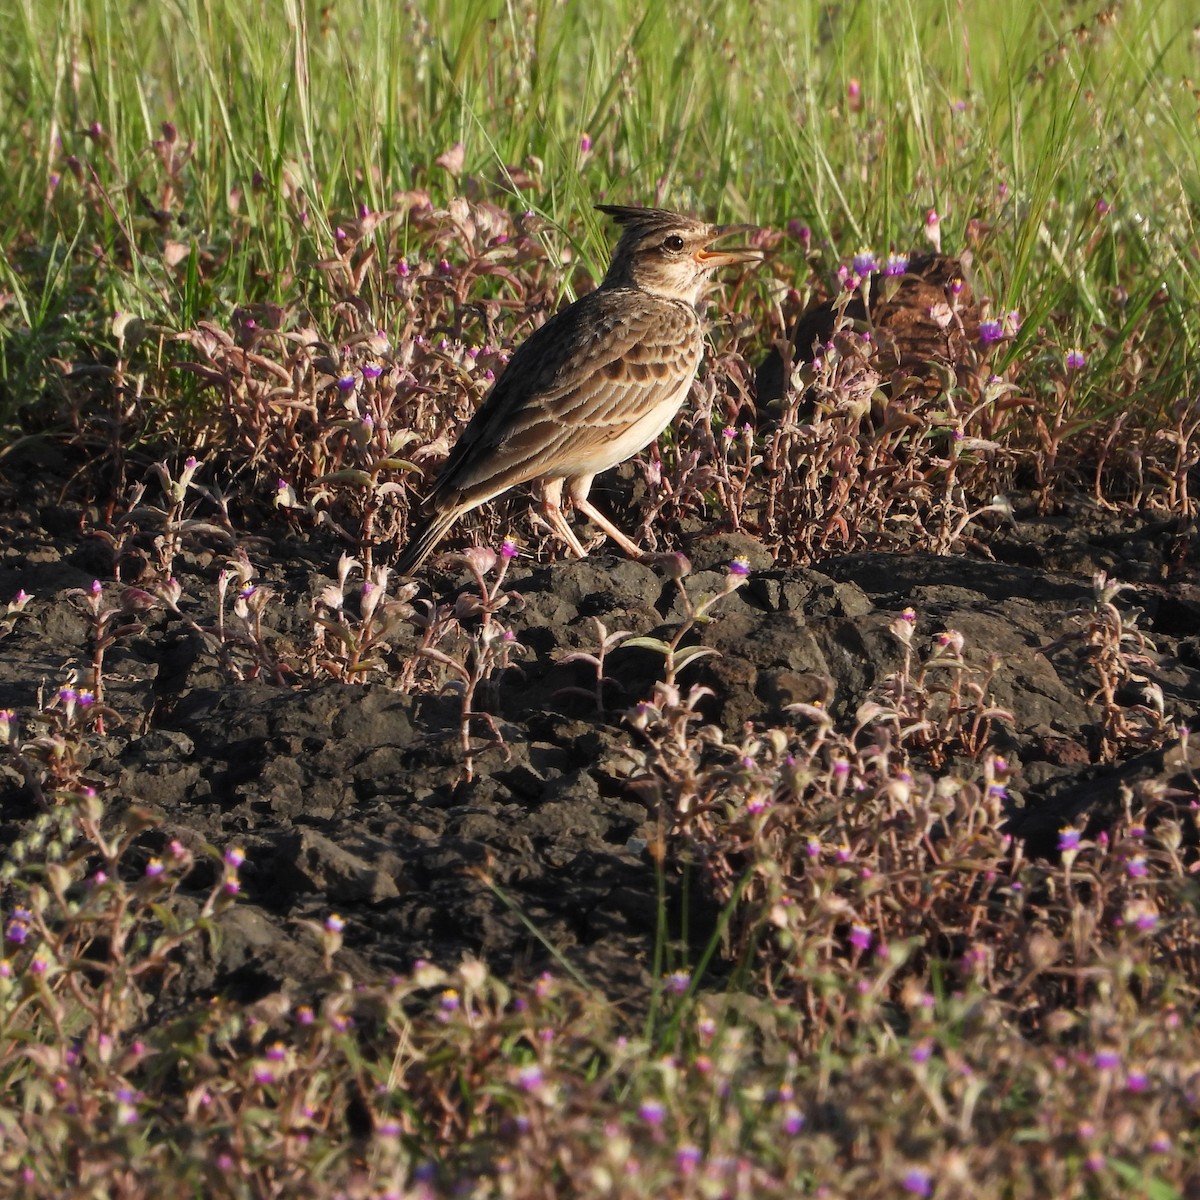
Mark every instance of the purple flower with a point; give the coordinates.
(793, 1120)
(917, 1182)
(990, 331)
(529, 1077)
(1136, 867)
(678, 982)
(801, 232)
(1136, 1081)
(652, 1111)
(372, 370)
(896, 264)
(154, 868)
(234, 857)
(860, 936)
(1076, 359)
(1068, 838)
(585, 144)
(922, 1051)
(1106, 1060)
(740, 567)
(334, 923)
(864, 263)
(508, 549)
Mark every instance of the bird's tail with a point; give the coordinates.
(423, 538)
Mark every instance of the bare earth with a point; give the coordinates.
(352, 799)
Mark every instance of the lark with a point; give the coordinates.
(596, 384)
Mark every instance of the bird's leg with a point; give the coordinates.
(594, 515)
(577, 493)
(550, 498)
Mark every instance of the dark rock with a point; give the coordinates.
(354, 798)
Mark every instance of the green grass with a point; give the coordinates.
(731, 109)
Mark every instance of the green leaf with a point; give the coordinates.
(348, 475)
(691, 653)
(1153, 1189)
(648, 643)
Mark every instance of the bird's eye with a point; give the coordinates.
(674, 243)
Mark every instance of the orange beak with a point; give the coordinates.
(731, 254)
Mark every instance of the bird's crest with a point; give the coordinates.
(643, 219)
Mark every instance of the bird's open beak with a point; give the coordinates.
(730, 254)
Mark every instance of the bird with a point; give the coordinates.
(594, 385)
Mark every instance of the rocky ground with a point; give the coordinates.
(352, 798)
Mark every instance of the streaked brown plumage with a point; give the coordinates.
(593, 386)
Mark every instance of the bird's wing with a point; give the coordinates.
(573, 387)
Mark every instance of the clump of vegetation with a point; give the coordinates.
(894, 947)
